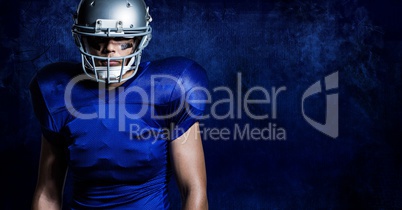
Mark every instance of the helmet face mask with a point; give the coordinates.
(121, 23)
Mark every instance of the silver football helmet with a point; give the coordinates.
(111, 19)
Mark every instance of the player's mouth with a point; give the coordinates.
(111, 63)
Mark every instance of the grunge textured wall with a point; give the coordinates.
(268, 44)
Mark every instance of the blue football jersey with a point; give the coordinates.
(116, 141)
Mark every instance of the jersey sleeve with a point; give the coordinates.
(47, 91)
(190, 97)
(48, 128)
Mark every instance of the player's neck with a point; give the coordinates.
(112, 86)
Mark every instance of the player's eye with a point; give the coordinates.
(125, 43)
(125, 46)
(98, 43)
(95, 42)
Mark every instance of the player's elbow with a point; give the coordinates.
(43, 200)
(194, 197)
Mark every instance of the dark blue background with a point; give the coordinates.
(272, 44)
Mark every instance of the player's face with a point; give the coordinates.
(109, 47)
